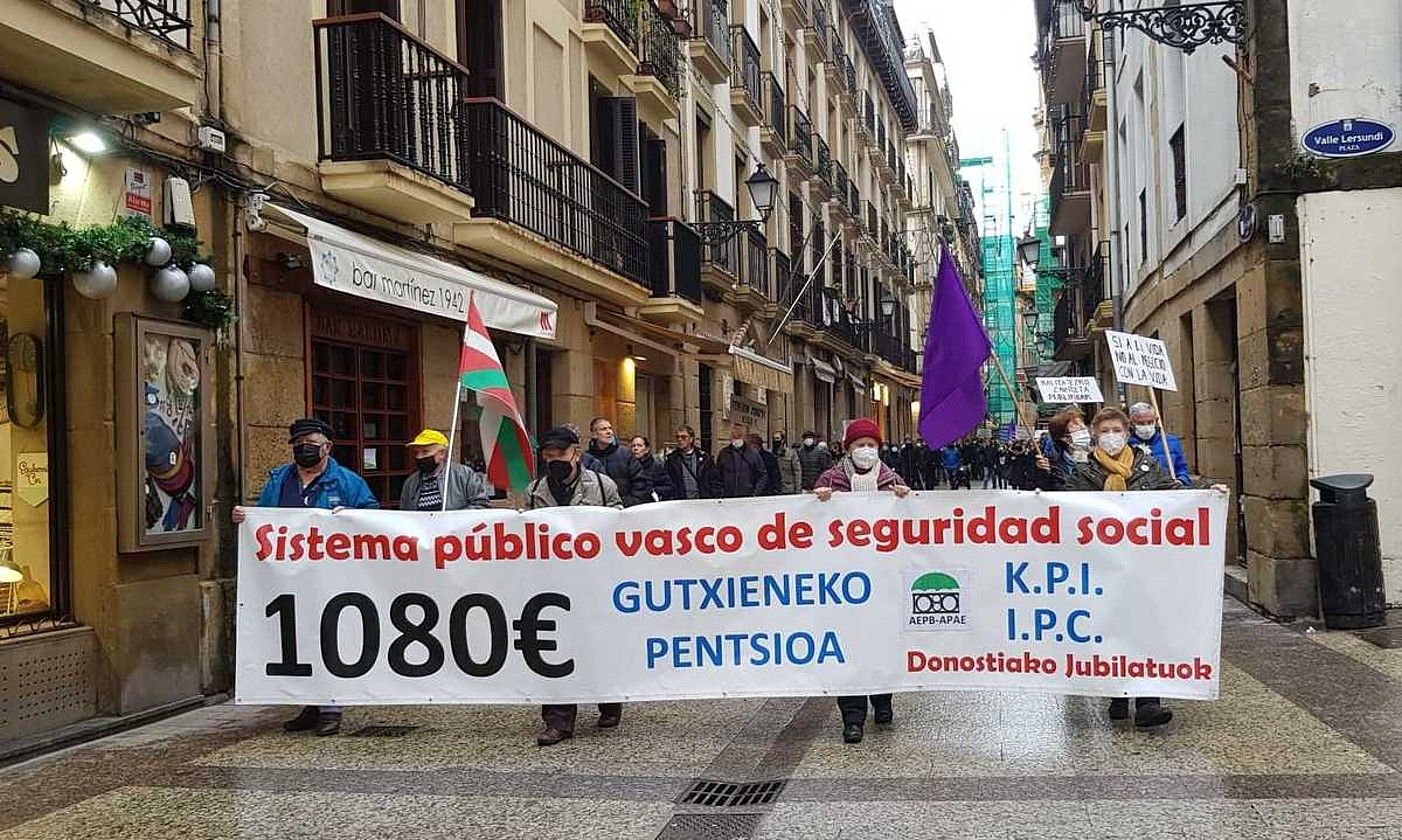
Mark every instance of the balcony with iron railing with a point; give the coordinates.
(823, 170)
(1061, 52)
(720, 263)
(773, 134)
(872, 225)
(868, 114)
(391, 121)
(796, 13)
(674, 271)
(542, 207)
(709, 46)
(817, 34)
(837, 57)
(662, 57)
(849, 76)
(1069, 191)
(884, 45)
(103, 56)
(1074, 316)
(840, 186)
(636, 41)
(800, 151)
(620, 16)
(753, 290)
(746, 91)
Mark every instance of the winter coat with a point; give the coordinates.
(839, 477)
(705, 469)
(634, 484)
(1154, 446)
(1146, 474)
(336, 487)
(738, 473)
(790, 469)
(464, 489)
(813, 462)
(657, 474)
(774, 485)
(591, 488)
(949, 456)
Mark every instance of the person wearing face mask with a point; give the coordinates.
(564, 482)
(740, 471)
(790, 468)
(1066, 444)
(813, 460)
(313, 480)
(652, 466)
(1149, 436)
(861, 471)
(438, 483)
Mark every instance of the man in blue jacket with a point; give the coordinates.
(1149, 437)
(313, 480)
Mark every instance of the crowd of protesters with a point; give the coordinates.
(1115, 451)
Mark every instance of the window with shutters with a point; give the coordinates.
(1180, 174)
(479, 47)
(653, 151)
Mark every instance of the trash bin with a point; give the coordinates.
(1350, 555)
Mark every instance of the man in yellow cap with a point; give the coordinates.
(438, 483)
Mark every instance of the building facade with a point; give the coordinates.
(1193, 210)
(354, 172)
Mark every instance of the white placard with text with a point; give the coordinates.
(1141, 361)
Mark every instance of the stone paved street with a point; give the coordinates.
(1303, 744)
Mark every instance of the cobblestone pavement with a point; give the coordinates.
(1303, 744)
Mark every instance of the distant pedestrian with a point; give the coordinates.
(689, 467)
(740, 471)
(565, 483)
(652, 467)
(774, 482)
(437, 483)
(313, 480)
(813, 460)
(790, 468)
(861, 471)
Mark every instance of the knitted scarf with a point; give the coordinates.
(1117, 469)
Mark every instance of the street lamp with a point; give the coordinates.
(888, 305)
(762, 186)
(1185, 26)
(1030, 249)
(1029, 320)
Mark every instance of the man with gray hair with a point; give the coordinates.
(1149, 436)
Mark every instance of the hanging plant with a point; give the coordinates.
(212, 309)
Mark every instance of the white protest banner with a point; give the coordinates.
(1069, 389)
(1076, 593)
(1141, 361)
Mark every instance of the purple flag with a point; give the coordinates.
(952, 400)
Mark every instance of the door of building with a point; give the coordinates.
(364, 381)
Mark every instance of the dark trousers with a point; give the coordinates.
(561, 715)
(854, 706)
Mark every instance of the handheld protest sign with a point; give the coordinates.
(1069, 389)
(1141, 361)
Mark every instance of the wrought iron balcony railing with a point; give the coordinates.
(849, 72)
(774, 114)
(674, 259)
(755, 273)
(780, 273)
(869, 112)
(662, 49)
(744, 67)
(1065, 23)
(820, 24)
(168, 20)
(712, 24)
(620, 15)
(824, 168)
(840, 186)
(872, 225)
(800, 134)
(522, 176)
(384, 94)
(723, 255)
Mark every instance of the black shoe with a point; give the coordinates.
(1119, 708)
(852, 733)
(1149, 715)
(552, 736)
(609, 721)
(305, 720)
(328, 723)
(884, 715)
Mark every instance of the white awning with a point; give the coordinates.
(367, 268)
(755, 369)
(823, 371)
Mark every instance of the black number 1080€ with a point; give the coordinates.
(419, 633)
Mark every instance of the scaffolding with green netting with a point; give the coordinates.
(999, 256)
(1048, 282)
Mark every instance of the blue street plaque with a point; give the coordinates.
(1348, 138)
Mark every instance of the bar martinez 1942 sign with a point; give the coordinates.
(1348, 138)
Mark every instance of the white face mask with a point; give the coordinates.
(822, 444)
(1112, 443)
(737, 443)
(1081, 438)
(808, 441)
(865, 457)
(1146, 432)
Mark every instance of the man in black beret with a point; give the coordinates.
(313, 480)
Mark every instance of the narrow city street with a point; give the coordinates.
(1306, 742)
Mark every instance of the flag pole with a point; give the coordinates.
(1012, 393)
(774, 331)
(457, 407)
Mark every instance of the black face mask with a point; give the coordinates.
(558, 472)
(778, 445)
(426, 464)
(306, 455)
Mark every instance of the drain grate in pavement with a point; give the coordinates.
(710, 827)
(713, 794)
(382, 731)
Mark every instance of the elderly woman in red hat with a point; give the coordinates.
(861, 470)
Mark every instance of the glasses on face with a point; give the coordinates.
(683, 438)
